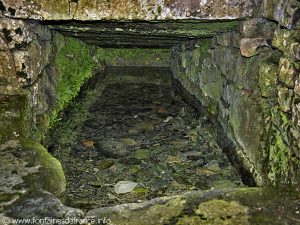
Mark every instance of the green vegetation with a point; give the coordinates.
(279, 160)
(133, 56)
(75, 64)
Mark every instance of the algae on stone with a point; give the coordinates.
(268, 79)
(50, 175)
(218, 212)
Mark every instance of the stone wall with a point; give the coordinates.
(42, 71)
(248, 80)
(149, 57)
(26, 49)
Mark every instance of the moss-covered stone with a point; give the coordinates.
(287, 72)
(268, 79)
(74, 65)
(50, 175)
(26, 166)
(156, 211)
(134, 57)
(286, 41)
(279, 160)
(222, 212)
(285, 98)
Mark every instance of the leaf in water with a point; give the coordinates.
(88, 144)
(161, 109)
(124, 187)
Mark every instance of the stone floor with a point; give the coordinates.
(130, 137)
(134, 153)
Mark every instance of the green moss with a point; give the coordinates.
(6, 197)
(268, 79)
(133, 56)
(217, 212)
(74, 64)
(279, 160)
(284, 39)
(50, 175)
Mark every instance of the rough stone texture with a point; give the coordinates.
(154, 34)
(14, 116)
(254, 98)
(129, 10)
(28, 48)
(27, 166)
(252, 46)
(138, 57)
(226, 89)
(287, 41)
(217, 207)
(286, 13)
(257, 28)
(42, 205)
(157, 211)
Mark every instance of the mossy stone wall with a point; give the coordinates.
(134, 57)
(255, 98)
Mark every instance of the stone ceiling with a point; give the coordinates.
(134, 23)
(140, 34)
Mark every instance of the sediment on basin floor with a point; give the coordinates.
(132, 126)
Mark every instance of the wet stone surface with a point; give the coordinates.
(130, 137)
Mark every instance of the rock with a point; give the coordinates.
(268, 79)
(287, 72)
(252, 46)
(42, 205)
(30, 167)
(213, 166)
(112, 148)
(225, 39)
(295, 130)
(12, 108)
(202, 171)
(297, 86)
(142, 154)
(104, 164)
(219, 184)
(145, 126)
(284, 12)
(194, 155)
(129, 141)
(212, 212)
(153, 212)
(216, 211)
(174, 159)
(287, 41)
(257, 28)
(285, 98)
(123, 187)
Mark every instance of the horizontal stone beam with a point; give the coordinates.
(129, 10)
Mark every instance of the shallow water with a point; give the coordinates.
(130, 124)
